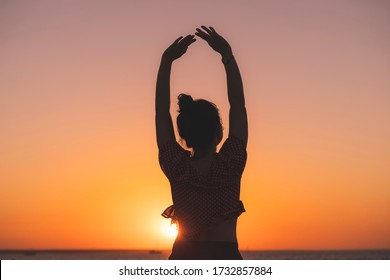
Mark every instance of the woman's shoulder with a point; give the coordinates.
(233, 155)
(173, 147)
(171, 155)
(233, 144)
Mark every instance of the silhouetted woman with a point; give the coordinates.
(205, 185)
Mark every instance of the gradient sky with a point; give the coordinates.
(78, 156)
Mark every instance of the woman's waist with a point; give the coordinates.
(224, 231)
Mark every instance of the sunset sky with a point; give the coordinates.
(78, 155)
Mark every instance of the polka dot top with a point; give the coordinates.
(201, 201)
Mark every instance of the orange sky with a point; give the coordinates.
(78, 157)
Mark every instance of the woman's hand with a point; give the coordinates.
(178, 48)
(216, 41)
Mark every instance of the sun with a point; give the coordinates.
(170, 230)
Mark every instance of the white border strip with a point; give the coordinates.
(153, 269)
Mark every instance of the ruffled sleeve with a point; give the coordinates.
(169, 213)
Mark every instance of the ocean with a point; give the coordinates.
(163, 255)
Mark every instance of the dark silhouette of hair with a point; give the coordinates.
(198, 122)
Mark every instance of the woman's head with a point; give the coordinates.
(198, 122)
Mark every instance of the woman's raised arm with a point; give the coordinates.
(164, 126)
(238, 122)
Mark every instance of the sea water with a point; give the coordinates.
(164, 254)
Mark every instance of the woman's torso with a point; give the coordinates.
(224, 231)
(205, 190)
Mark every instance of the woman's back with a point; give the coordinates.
(226, 230)
(205, 191)
(222, 232)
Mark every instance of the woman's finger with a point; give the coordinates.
(186, 45)
(212, 29)
(188, 37)
(202, 35)
(201, 31)
(207, 30)
(177, 40)
(192, 40)
(187, 40)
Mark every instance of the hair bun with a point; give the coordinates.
(185, 103)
